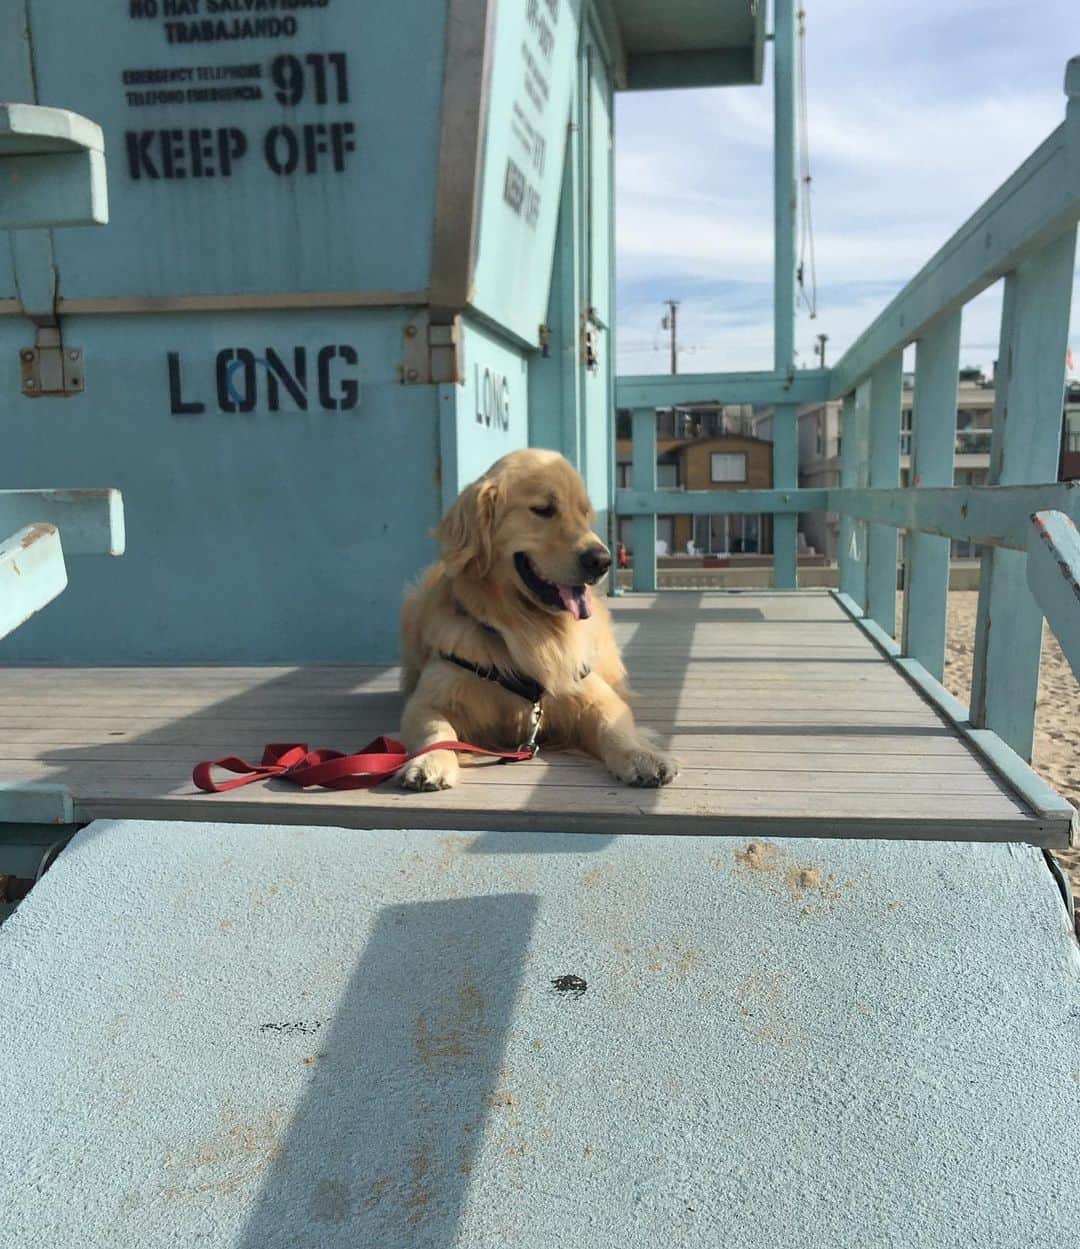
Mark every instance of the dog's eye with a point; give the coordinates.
(547, 511)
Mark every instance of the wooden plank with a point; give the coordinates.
(643, 477)
(886, 402)
(1024, 448)
(656, 390)
(27, 801)
(91, 522)
(720, 759)
(785, 476)
(736, 705)
(1053, 575)
(719, 502)
(340, 734)
(567, 773)
(524, 805)
(32, 574)
(845, 537)
(700, 692)
(930, 822)
(164, 681)
(933, 444)
(732, 687)
(940, 742)
(35, 130)
(989, 515)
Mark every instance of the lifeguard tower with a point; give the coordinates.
(823, 990)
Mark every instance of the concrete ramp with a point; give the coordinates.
(258, 1037)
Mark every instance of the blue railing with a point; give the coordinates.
(1026, 234)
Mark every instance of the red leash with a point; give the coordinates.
(331, 769)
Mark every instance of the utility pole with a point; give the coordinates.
(822, 339)
(669, 323)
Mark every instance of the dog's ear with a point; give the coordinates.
(467, 531)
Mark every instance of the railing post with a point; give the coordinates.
(785, 473)
(886, 401)
(1024, 447)
(643, 477)
(933, 452)
(854, 473)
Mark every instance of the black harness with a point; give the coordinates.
(515, 683)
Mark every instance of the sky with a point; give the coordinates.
(917, 112)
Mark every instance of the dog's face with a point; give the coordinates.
(525, 529)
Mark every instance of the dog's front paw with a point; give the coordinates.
(438, 770)
(645, 768)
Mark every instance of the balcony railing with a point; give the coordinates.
(1023, 520)
(968, 441)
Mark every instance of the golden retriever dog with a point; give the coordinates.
(506, 622)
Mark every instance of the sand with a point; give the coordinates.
(1057, 722)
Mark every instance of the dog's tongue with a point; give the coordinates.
(577, 600)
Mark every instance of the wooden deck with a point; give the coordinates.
(786, 718)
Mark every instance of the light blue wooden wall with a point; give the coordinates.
(525, 149)
(596, 233)
(269, 521)
(252, 536)
(488, 413)
(243, 226)
(571, 402)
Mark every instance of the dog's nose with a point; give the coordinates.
(594, 563)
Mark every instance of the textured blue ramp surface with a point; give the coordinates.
(260, 1037)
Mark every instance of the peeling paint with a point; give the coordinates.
(35, 533)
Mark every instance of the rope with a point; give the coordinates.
(806, 220)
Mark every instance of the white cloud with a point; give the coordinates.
(916, 116)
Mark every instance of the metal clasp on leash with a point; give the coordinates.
(530, 745)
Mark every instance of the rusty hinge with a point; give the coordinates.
(590, 339)
(50, 368)
(432, 352)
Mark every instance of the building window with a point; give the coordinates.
(667, 474)
(973, 441)
(727, 535)
(819, 435)
(728, 466)
(667, 471)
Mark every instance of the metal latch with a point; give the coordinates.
(591, 327)
(50, 368)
